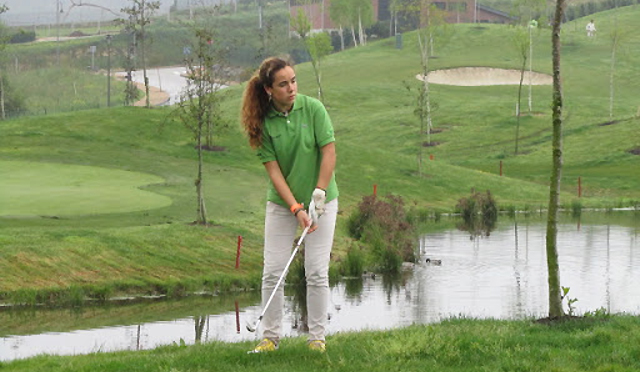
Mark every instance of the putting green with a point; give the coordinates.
(53, 189)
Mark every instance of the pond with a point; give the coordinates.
(500, 276)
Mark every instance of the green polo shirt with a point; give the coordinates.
(294, 142)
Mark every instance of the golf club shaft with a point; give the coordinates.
(281, 279)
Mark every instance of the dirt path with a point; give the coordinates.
(157, 97)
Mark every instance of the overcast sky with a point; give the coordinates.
(30, 12)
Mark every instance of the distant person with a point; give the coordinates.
(591, 29)
(294, 139)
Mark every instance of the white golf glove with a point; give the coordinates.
(319, 197)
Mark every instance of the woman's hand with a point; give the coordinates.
(304, 220)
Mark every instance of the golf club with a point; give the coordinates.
(252, 328)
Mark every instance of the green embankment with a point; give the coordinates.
(144, 242)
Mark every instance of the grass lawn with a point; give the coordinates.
(141, 240)
(44, 189)
(458, 345)
(100, 202)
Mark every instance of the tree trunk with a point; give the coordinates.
(524, 63)
(146, 78)
(395, 23)
(615, 38)
(199, 326)
(611, 86)
(341, 32)
(431, 43)
(530, 69)
(316, 70)
(353, 33)
(555, 296)
(143, 55)
(424, 100)
(202, 210)
(4, 114)
(360, 31)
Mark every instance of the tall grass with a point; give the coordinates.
(52, 90)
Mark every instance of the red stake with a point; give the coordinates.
(238, 252)
(579, 187)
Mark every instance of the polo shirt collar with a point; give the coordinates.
(297, 105)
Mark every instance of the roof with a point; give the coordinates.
(495, 11)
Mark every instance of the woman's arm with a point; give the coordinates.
(275, 174)
(327, 165)
(281, 186)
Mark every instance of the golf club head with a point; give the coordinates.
(253, 327)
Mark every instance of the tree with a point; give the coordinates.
(339, 14)
(301, 24)
(3, 44)
(532, 25)
(432, 24)
(10, 99)
(394, 7)
(615, 41)
(318, 45)
(139, 17)
(349, 13)
(527, 11)
(131, 90)
(361, 12)
(555, 295)
(76, 3)
(616, 37)
(521, 42)
(199, 107)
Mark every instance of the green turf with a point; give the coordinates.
(48, 189)
(152, 247)
(593, 344)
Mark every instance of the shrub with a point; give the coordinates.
(576, 208)
(479, 213)
(418, 215)
(383, 227)
(353, 263)
(22, 36)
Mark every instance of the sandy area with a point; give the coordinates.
(156, 96)
(478, 76)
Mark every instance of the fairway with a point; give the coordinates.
(52, 189)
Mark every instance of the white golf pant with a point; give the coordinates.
(281, 227)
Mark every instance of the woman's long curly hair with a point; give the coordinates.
(256, 101)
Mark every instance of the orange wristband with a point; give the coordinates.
(296, 207)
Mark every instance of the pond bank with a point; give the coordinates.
(458, 345)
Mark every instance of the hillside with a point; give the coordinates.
(113, 243)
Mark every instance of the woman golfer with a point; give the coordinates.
(294, 139)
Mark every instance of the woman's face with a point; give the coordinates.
(284, 89)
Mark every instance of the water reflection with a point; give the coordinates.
(498, 276)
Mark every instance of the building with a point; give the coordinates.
(463, 12)
(459, 11)
(318, 13)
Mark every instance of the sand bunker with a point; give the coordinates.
(477, 76)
